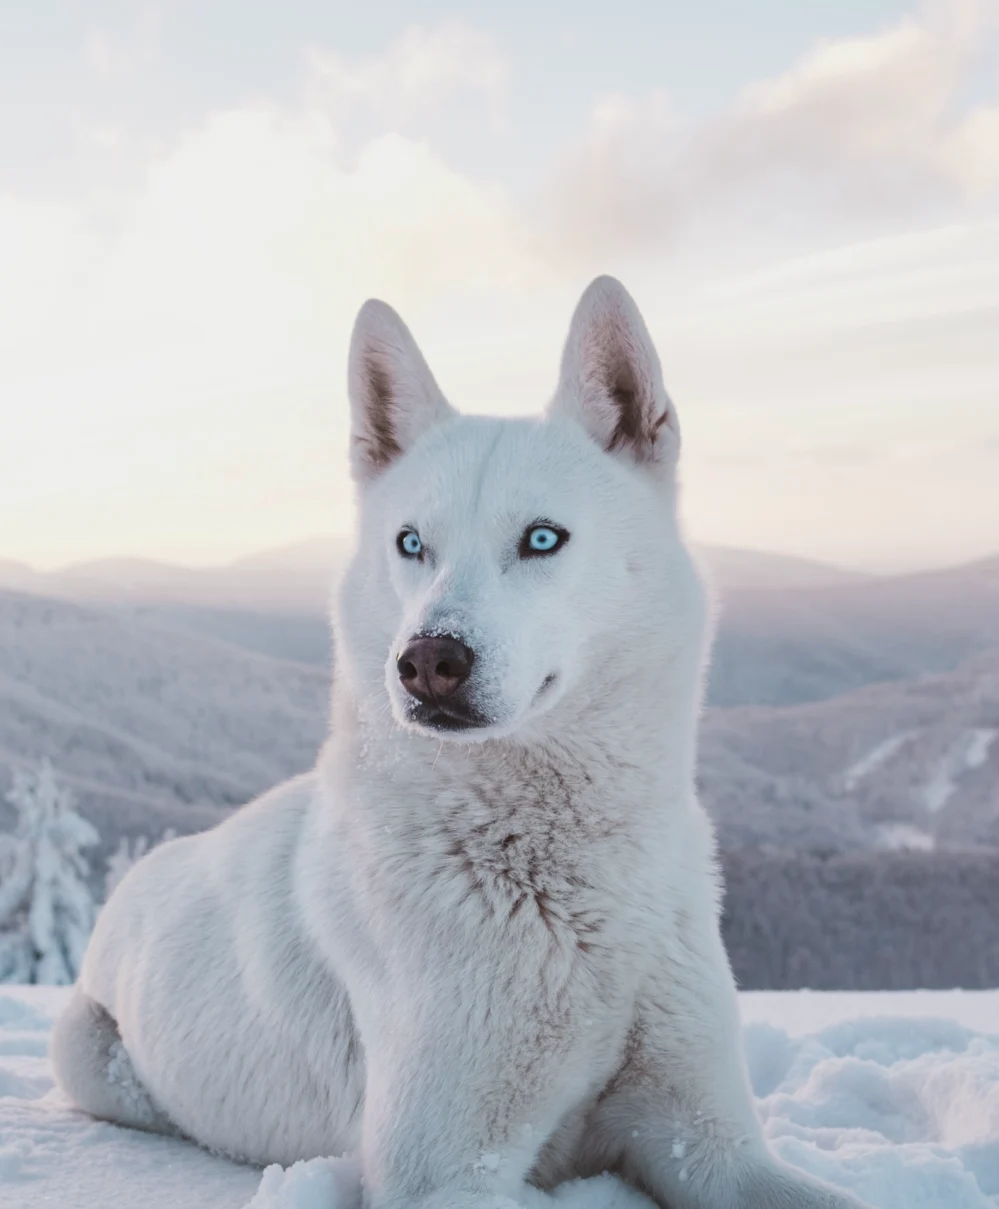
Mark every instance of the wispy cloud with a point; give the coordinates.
(422, 70)
(860, 129)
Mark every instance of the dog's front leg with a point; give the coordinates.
(679, 1120)
(457, 1107)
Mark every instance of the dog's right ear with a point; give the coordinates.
(611, 380)
(393, 395)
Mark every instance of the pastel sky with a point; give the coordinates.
(195, 197)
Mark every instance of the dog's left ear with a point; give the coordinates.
(393, 395)
(611, 380)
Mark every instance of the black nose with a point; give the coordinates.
(432, 668)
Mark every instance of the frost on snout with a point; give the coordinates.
(455, 685)
(435, 682)
(434, 670)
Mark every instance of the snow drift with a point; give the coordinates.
(895, 1096)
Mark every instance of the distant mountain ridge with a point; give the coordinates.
(290, 579)
(909, 764)
(790, 646)
(733, 568)
(150, 728)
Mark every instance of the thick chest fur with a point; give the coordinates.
(516, 879)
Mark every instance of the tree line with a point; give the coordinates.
(864, 921)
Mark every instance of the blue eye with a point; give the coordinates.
(408, 544)
(542, 539)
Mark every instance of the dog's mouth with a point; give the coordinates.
(447, 719)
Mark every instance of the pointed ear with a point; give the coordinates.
(393, 395)
(611, 380)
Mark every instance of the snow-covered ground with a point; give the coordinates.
(894, 1095)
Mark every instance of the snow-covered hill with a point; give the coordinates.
(893, 1096)
(787, 646)
(734, 569)
(913, 763)
(289, 580)
(150, 728)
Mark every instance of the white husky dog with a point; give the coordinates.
(479, 944)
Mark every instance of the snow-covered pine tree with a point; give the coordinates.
(46, 908)
(16, 957)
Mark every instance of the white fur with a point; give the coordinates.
(482, 957)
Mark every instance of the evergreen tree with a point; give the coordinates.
(16, 957)
(46, 908)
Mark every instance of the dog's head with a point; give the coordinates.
(505, 566)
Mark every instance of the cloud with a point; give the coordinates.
(46, 249)
(241, 263)
(256, 219)
(253, 235)
(422, 70)
(188, 347)
(859, 129)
